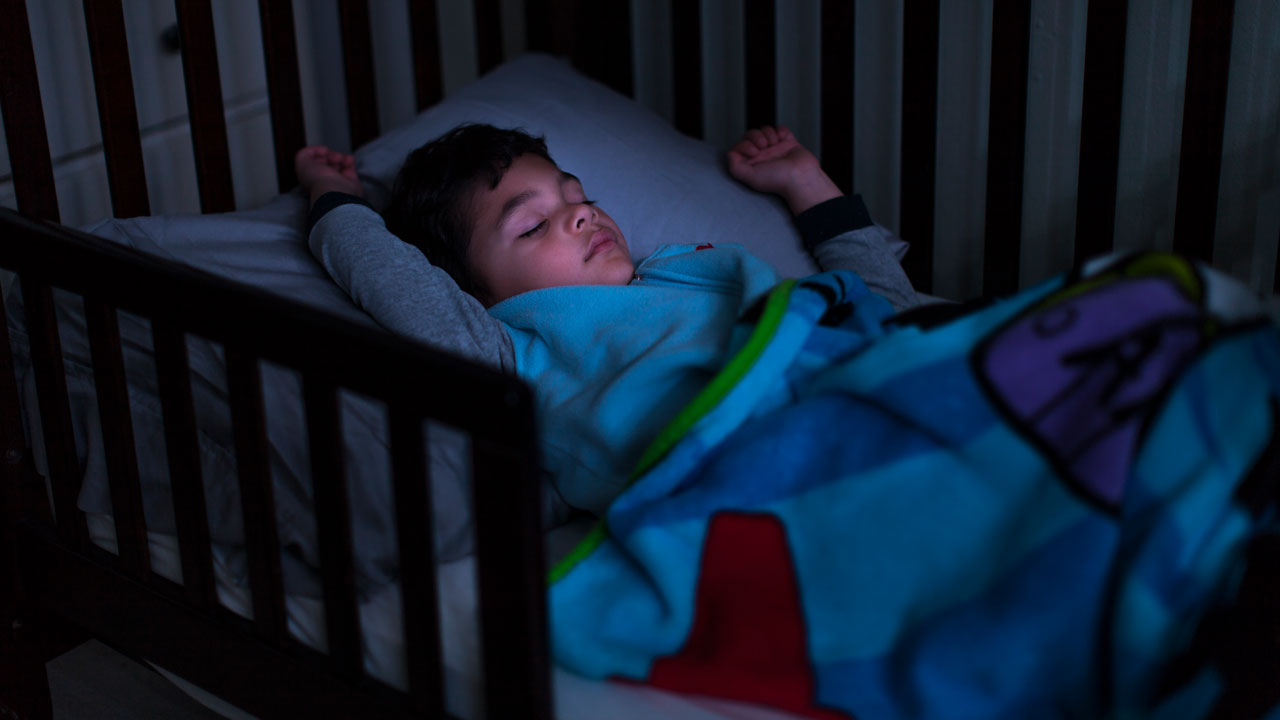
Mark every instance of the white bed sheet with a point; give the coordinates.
(575, 697)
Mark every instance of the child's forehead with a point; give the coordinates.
(528, 177)
(532, 166)
(532, 174)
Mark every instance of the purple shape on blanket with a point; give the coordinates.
(1082, 375)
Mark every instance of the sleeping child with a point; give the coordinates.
(1063, 503)
(489, 250)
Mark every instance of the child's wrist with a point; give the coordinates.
(328, 185)
(804, 193)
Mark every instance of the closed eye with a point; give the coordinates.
(538, 228)
(533, 230)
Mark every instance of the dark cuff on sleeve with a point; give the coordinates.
(831, 218)
(329, 201)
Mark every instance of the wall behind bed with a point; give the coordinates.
(1156, 46)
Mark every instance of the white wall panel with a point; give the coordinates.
(799, 62)
(651, 55)
(1055, 87)
(964, 84)
(392, 62)
(1151, 122)
(724, 97)
(877, 108)
(1248, 225)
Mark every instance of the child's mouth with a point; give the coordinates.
(600, 241)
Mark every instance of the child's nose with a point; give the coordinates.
(581, 215)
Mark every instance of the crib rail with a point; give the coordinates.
(1100, 127)
(1006, 148)
(121, 600)
(122, 142)
(204, 102)
(280, 56)
(23, 114)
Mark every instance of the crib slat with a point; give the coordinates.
(117, 113)
(549, 26)
(256, 498)
(417, 571)
(333, 524)
(513, 605)
(13, 455)
(837, 91)
(204, 106)
(357, 56)
(686, 66)
(602, 43)
(1006, 145)
(23, 115)
(55, 411)
(1203, 120)
(280, 48)
(1100, 128)
(185, 474)
(760, 21)
(488, 35)
(12, 437)
(427, 70)
(117, 438)
(919, 137)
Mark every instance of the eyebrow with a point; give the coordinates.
(519, 199)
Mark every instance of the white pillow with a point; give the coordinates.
(659, 185)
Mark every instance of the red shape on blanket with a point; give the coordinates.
(748, 638)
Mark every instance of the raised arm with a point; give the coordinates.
(836, 229)
(389, 279)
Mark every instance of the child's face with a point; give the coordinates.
(535, 230)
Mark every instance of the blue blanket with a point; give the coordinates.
(1022, 512)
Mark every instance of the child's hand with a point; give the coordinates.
(321, 170)
(772, 160)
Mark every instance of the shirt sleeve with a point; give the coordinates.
(394, 283)
(840, 235)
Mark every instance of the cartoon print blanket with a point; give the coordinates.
(1024, 511)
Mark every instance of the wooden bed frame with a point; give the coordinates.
(56, 587)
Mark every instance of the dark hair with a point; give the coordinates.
(431, 199)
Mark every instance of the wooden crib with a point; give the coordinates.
(58, 586)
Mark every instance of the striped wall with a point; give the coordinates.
(919, 45)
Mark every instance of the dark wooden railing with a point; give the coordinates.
(121, 141)
(204, 106)
(1006, 145)
(760, 61)
(1100, 127)
(280, 56)
(23, 113)
(494, 409)
(428, 83)
(1203, 121)
(919, 137)
(838, 91)
(185, 473)
(357, 58)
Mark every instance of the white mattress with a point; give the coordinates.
(575, 698)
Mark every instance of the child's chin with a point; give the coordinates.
(622, 274)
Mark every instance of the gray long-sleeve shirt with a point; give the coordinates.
(394, 283)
